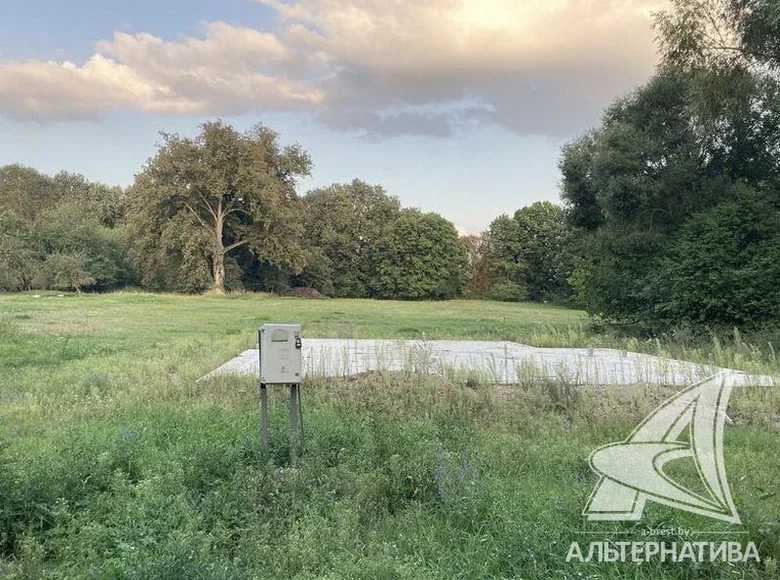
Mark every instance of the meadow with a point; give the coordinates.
(116, 463)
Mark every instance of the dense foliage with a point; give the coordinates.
(343, 223)
(419, 256)
(674, 198)
(221, 211)
(723, 265)
(199, 199)
(60, 232)
(522, 257)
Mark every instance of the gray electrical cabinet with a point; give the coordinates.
(280, 354)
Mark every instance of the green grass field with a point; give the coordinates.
(115, 463)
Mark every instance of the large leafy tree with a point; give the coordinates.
(720, 34)
(67, 272)
(544, 237)
(505, 256)
(669, 162)
(200, 198)
(342, 223)
(578, 184)
(640, 168)
(729, 50)
(478, 276)
(632, 183)
(106, 204)
(79, 242)
(26, 192)
(419, 257)
(528, 254)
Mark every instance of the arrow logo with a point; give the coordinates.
(631, 472)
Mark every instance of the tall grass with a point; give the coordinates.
(116, 463)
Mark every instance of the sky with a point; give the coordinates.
(455, 106)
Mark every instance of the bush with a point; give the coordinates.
(66, 272)
(722, 268)
(509, 292)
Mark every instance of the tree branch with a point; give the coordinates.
(204, 224)
(729, 48)
(715, 26)
(232, 209)
(208, 205)
(233, 246)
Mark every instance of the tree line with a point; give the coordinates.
(220, 211)
(671, 206)
(675, 197)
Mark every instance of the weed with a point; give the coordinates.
(116, 463)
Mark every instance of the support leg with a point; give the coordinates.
(293, 420)
(264, 418)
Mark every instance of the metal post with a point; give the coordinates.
(263, 399)
(293, 420)
(264, 417)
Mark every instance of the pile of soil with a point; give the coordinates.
(306, 293)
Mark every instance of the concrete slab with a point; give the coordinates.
(491, 362)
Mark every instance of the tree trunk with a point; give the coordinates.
(219, 271)
(219, 258)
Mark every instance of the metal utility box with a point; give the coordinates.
(280, 354)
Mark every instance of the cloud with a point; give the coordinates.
(231, 70)
(375, 67)
(541, 66)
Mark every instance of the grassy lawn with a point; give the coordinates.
(115, 463)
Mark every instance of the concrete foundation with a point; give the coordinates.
(490, 362)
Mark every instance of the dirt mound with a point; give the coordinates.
(306, 293)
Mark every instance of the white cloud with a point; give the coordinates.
(381, 67)
(231, 70)
(539, 66)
